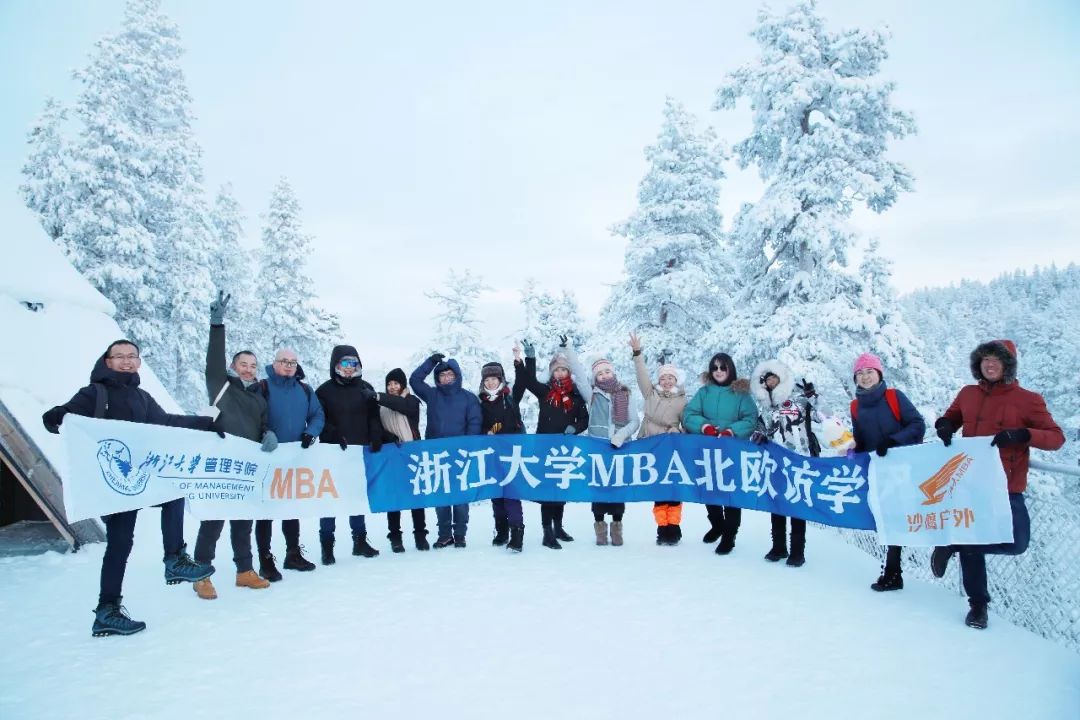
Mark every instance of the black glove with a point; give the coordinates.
(883, 449)
(1019, 436)
(53, 418)
(945, 431)
(306, 440)
(563, 341)
(807, 388)
(759, 438)
(343, 445)
(367, 394)
(436, 358)
(220, 433)
(376, 445)
(218, 308)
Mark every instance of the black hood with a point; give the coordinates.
(102, 374)
(339, 352)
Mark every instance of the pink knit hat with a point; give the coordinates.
(602, 364)
(868, 360)
(668, 370)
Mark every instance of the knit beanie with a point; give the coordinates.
(668, 370)
(868, 361)
(397, 375)
(600, 365)
(559, 361)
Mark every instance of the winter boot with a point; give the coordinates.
(727, 544)
(561, 534)
(249, 579)
(268, 569)
(327, 551)
(798, 543)
(888, 580)
(361, 548)
(549, 539)
(420, 536)
(616, 533)
(204, 589)
(779, 539)
(676, 534)
(396, 545)
(181, 568)
(977, 617)
(502, 533)
(112, 619)
(517, 537)
(939, 560)
(662, 535)
(601, 529)
(459, 541)
(444, 542)
(295, 560)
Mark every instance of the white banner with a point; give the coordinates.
(115, 466)
(926, 495)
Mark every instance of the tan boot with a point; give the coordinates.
(205, 589)
(601, 532)
(616, 532)
(249, 579)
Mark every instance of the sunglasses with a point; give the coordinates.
(349, 363)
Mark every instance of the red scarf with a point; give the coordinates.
(559, 396)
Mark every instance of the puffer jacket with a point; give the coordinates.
(243, 410)
(873, 422)
(663, 410)
(452, 410)
(293, 407)
(726, 407)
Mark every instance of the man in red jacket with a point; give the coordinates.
(1018, 420)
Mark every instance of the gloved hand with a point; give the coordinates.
(807, 388)
(306, 440)
(218, 308)
(53, 418)
(269, 441)
(220, 433)
(343, 445)
(883, 449)
(710, 430)
(759, 438)
(563, 341)
(435, 358)
(530, 349)
(945, 431)
(367, 394)
(570, 430)
(1017, 436)
(726, 432)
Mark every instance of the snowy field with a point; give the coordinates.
(586, 632)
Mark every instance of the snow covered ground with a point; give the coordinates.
(587, 632)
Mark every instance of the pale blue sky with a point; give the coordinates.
(507, 137)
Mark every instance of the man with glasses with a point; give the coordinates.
(294, 414)
(114, 394)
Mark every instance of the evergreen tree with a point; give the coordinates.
(232, 267)
(47, 170)
(457, 333)
(676, 278)
(822, 119)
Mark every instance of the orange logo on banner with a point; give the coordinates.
(942, 483)
(301, 484)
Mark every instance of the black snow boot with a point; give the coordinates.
(502, 533)
(798, 543)
(517, 537)
(779, 539)
(889, 580)
(549, 539)
(420, 536)
(561, 534)
(327, 551)
(661, 534)
(361, 548)
(111, 618)
(459, 541)
(295, 560)
(444, 542)
(977, 617)
(267, 569)
(396, 545)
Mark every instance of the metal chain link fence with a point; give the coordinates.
(1039, 590)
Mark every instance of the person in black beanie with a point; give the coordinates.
(501, 411)
(399, 411)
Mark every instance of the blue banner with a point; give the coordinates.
(671, 467)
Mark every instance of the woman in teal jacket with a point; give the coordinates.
(722, 407)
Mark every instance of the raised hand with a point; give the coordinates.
(635, 343)
(530, 349)
(517, 351)
(218, 308)
(563, 341)
(436, 357)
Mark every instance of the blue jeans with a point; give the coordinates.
(973, 557)
(456, 514)
(329, 524)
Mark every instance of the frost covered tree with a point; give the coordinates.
(47, 170)
(288, 314)
(457, 327)
(676, 280)
(822, 121)
(232, 267)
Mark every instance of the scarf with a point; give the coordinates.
(395, 422)
(560, 394)
(620, 399)
(501, 393)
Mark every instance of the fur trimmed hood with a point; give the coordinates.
(781, 392)
(1003, 350)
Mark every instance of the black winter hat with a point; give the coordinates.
(398, 375)
(492, 369)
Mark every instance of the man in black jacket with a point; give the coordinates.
(241, 412)
(114, 394)
(352, 418)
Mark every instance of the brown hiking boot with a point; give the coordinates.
(616, 533)
(249, 579)
(205, 589)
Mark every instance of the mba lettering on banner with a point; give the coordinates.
(929, 495)
(115, 466)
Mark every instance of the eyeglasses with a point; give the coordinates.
(349, 363)
(287, 363)
(122, 357)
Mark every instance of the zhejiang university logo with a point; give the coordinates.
(114, 460)
(941, 484)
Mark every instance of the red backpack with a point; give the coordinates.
(890, 397)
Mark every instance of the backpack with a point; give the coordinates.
(890, 398)
(101, 399)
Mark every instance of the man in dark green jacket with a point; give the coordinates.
(242, 412)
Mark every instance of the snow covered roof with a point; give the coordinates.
(55, 325)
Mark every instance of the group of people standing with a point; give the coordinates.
(346, 410)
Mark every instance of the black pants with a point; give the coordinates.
(551, 514)
(779, 533)
(892, 560)
(419, 521)
(120, 536)
(615, 510)
(239, 535)
(973, 557)
(289, 528)
(724, 518)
